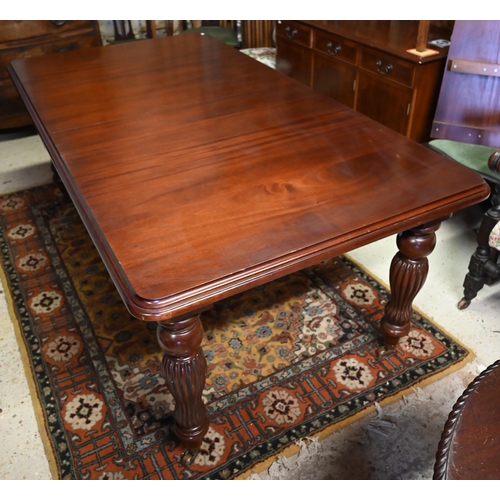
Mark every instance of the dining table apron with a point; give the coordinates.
(200, 173)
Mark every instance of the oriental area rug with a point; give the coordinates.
(288, 360)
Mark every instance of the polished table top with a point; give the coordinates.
(200, 172)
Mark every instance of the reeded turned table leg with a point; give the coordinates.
(408, 272)
(184, 370)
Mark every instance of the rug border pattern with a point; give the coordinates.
(58, 452)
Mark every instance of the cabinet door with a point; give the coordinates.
(335, 79)
(294, 60)
(385, 102)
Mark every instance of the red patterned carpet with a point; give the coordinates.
(290, 359)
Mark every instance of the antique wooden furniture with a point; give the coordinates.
(470, 443)
(468, 112)
(365, 65)
(151, 28)
(227, 183)
(123, 31)
(484, 266)
(34, 38)
(250, 33)
(258, 33)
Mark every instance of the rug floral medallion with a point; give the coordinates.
(285, 360)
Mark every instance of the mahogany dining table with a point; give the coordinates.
(200, 173)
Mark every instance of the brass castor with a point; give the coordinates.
(189, 456)
(384, 350)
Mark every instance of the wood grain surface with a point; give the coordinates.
(200, 172)
(392, 36)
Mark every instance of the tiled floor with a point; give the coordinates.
(399, 442)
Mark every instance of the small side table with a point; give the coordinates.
(470, 443)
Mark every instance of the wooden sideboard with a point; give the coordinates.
(366, 66)
(20, 39)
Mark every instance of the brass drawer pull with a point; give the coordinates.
(383, 71)
(291, 32)
(335, 50)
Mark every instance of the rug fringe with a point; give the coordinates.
(287, 452)
(337, 426)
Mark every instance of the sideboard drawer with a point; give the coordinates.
(61, 45)
(294, 31)
(366, 66)
(390, 67)
(22, 39)
(336, 46)
(21, 30)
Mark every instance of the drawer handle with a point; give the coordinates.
(383, 71)
(291, 32)
(335, 50)
(58, 23)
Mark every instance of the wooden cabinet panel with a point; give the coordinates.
(294, 60)
(19, 39)
(336, 46)
(366, 65)
(384, 101)
(14, 31)
(335, 79)
(388, 66)
(291, 30)
(41, 48)
(12, 109)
